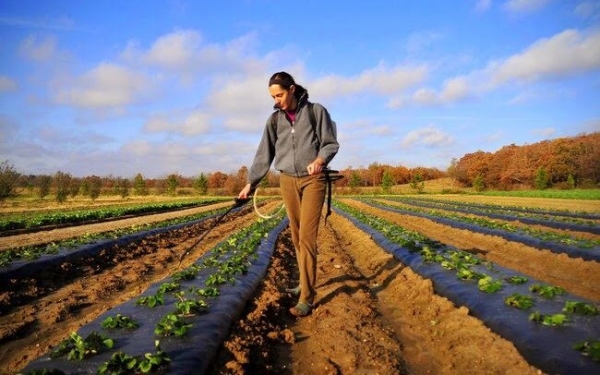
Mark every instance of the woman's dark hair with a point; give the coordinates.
(285, 80)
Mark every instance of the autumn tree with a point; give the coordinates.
(74, 187)
(94, 186)
(172, 183)
(8, 180)
(121, 187)
(62, 180)
(479, 183)
(201, 184)
(417, 183)
(43, 186)
(355, 181)
(541, 179)
(139, 185)
(387, 182)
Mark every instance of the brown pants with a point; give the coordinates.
(303, 198)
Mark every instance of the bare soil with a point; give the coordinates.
(373, 315)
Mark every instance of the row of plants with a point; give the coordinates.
(499, 212)
(558, 242)
(510, 303)
(41, 219)
(177, 308)
(31, 253)
(518, 209)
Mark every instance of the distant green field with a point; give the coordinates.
(591, 194)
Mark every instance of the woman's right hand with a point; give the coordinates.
(245, 192)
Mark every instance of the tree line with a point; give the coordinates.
(562, 163)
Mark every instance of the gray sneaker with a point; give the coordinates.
(294, 291)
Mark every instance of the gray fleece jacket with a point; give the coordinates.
(295, 146)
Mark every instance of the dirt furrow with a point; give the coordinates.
(576, 275)
(373, 315)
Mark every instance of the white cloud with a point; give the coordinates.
(429, 136)
(7, 84)
(106, 85)
(379, 80)
(38, 48)
(525, 6)
(567, 53)
(184, 52)
(174, 50)
(193, 123)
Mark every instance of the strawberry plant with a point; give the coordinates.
(187, 307)
(590, 348)
(189, 273)
(78, 348)
(519, 301)
(168, 287)
(152, 301)
(488, 285)
(122, 363)
(517, 280)
(119, 322)
(154, 361)
(581, 308)
(172, 324)
(549, 320)
(119, 363)
(205, 292)
(547, 291)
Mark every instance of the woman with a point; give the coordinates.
(301, 149)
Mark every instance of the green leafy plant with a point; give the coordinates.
(547, 291)
(206, 292)
(467, 274)
(519, 301)
(119, 363)
(78, 348)
(168, 287)
(517, 280)
(153, 361)
(189, 273)
(119, 322)
(590, 348)
(172, 325)
(581, 308)
(549, 320)
(122, 363)
(489, 285)
(151, 301)
(188, 307)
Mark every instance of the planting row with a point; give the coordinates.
(570, 245)
(575, 222)
(10, 223)
(177, 324)
(553, 330)
(24, 255)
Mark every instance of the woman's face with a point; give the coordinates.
(283, 98)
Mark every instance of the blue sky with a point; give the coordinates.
(160, 87)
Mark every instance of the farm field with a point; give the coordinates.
(373, 313)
